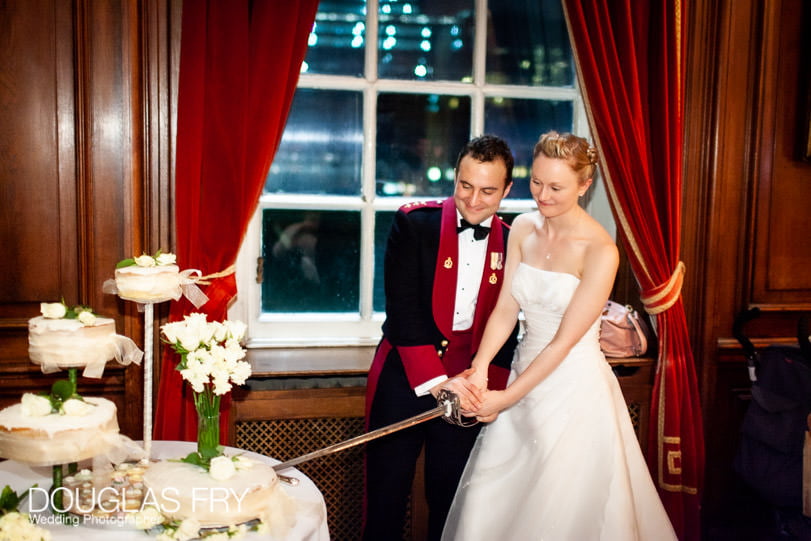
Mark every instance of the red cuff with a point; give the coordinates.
(421, 364)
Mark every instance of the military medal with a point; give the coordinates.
(496, 260)
(449, 263)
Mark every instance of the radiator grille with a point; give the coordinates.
(338, 476)
(635, 411)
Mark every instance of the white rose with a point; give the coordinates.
(87, 318)
(189, 338)
(241, 373)
(236, 329)
(195, 379)
(243, 462)
(15, 525)
(148, 518)
(145, 261)
(166, 259)
(220, 331)
(34, 405)
(188, 529)
(53, 310)
(222, 468)
(76, 408)
(171, 330)
(233, 351)
(221, 384)
(195, 331)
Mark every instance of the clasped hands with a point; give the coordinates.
(475, 399)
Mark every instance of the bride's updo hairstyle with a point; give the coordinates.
(578, 153)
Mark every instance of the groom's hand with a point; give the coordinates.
(470, 396)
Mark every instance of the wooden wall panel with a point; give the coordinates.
(745, 226)
(38, 205)
(77, 193)
(781, 218)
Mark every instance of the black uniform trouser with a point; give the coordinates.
(391, 460)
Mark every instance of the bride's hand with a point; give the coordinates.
(478, 378)
(493, 403)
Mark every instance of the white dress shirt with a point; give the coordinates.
(472, 255)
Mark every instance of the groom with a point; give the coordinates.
(443, 272)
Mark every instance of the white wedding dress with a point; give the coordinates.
(562, 464)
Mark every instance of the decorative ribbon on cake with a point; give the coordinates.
(188, 281)
(92, 353)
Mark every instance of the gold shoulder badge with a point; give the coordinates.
(448, 263)
(493, 279)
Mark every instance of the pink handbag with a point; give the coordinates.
(622, 332)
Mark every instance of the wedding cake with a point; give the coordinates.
(56, 342)
(32, 433)
(185, 491)
(148, 278)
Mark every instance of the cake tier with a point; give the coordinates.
(148, 284)
(58, 439)
(186, 491)
(67, 343)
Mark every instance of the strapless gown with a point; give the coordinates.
(562, 464)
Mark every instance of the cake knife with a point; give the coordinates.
(447, 407)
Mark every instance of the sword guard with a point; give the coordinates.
(453, 411)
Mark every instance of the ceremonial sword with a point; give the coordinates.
(447, 408)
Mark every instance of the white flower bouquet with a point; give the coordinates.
(211, 360)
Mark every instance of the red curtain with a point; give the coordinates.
(630, 61)
(239, 66)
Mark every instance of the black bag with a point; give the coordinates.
(770, 454)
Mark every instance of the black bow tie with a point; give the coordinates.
(479, 231)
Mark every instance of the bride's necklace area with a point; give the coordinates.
(551, 244)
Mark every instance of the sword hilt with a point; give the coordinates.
(453, 409)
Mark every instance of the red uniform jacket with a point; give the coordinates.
(420, 283)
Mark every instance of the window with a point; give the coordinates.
(389, 93)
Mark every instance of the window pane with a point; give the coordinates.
(312, 261)
(320, 153)
(426, 39)
(528, 44)
(383, 221)
(521, 122)
(418, 139)
(337, 39)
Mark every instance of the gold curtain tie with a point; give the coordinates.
(662, 297)
(206, 280)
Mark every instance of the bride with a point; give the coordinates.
(560, 460)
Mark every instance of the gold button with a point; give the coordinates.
(439, 352)
(444, 343)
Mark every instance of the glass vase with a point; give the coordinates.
(208, 426)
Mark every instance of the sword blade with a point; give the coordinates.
(439, 411)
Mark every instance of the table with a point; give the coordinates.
(311, 516)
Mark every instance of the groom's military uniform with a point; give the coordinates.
(418, 346)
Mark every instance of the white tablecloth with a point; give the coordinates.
(311, 515)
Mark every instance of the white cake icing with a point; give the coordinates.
(68, 343)
(57, 438)
(187, 491)
(148, 284)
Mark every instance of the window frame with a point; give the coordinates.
(363, 328)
